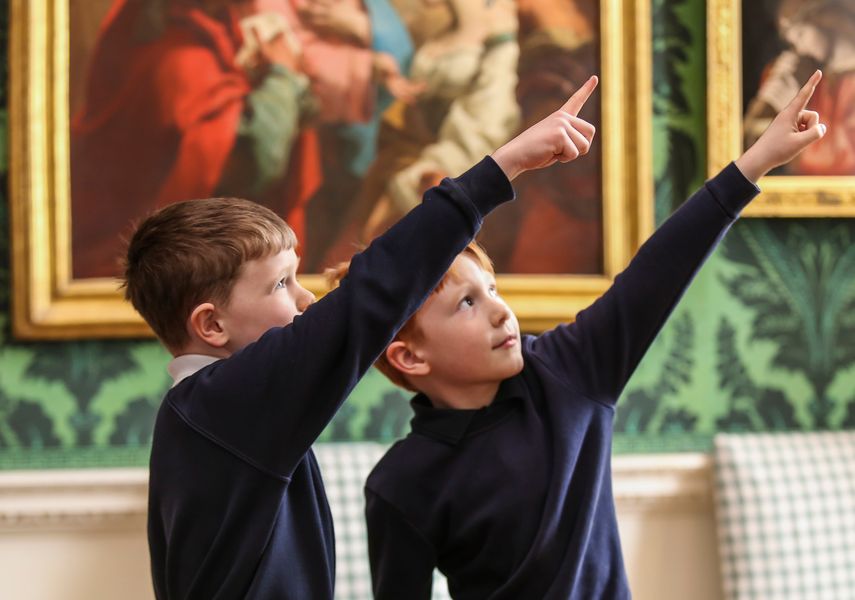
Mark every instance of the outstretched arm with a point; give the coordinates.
(270, 401)
(602, 348)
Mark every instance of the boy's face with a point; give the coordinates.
(265, 295)
(469, 334)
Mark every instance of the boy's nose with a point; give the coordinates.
(501, 313)
(307, 300)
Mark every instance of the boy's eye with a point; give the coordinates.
(467, 302)
(493, 291)
(281, 283)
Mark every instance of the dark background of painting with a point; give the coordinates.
(760, 35)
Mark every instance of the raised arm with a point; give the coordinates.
(270, 401)
(602, 348)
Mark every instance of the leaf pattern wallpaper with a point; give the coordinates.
(763, 340)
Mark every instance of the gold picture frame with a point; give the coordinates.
(48, 303)
(782, 195)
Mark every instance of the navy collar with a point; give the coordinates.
(450, 425)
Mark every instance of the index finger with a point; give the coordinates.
(577, 100)
(800, 102)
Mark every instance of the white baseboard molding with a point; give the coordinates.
(73, 499)
(116, 498)
(662, 482)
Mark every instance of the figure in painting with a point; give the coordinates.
(550, 230)
(465, 59)
(194, 98)
(812, 34)
(355, 53)
(523, 56)
(337, 114)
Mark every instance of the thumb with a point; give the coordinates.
(800, 141)
(812, 134)
(577, 100)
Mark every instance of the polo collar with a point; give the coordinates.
(182, 367)
(450, 425)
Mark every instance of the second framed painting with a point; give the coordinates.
(759, 53)
(119, 107)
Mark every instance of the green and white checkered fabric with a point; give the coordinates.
(785, 506)
(345, 467)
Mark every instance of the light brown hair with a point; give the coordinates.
(411, 330)
(192, 252)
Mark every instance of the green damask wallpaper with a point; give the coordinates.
(763, 340)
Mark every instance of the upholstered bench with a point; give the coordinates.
(785, 513)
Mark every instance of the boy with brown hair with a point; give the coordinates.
(237, 507)
(504, 482)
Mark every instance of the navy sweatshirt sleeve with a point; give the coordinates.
(602, 348)
(269, 402)
(402, 561)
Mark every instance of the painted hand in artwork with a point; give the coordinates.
(388, 74)
(268, 40)
(340, 19)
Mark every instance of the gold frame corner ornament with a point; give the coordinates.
(47, 303)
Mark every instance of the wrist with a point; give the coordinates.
(506, 163)
(751, 166)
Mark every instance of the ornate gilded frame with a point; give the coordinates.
(783, 196)
(49, 304)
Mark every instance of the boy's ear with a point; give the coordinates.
(406, 359)
(205, 326)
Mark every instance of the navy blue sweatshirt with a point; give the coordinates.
(236, 502)
(514, 501)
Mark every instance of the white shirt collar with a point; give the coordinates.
(185, 365)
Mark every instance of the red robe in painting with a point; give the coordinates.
(160, 120)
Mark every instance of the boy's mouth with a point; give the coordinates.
(507, 342)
